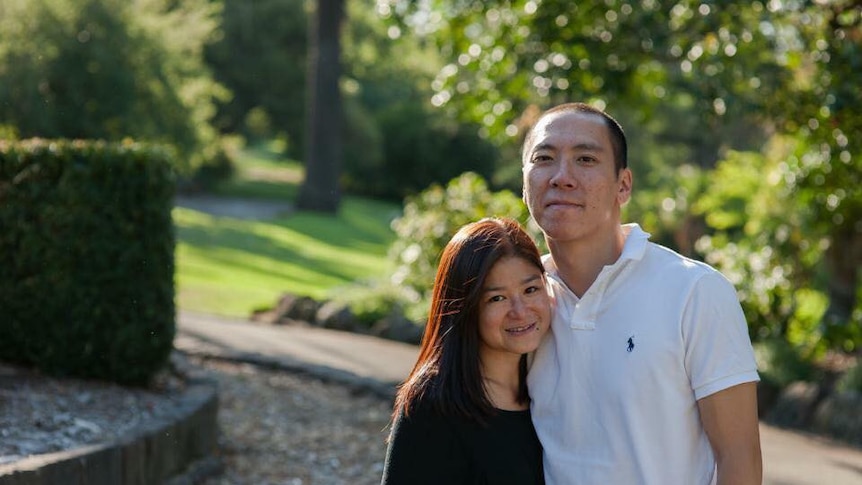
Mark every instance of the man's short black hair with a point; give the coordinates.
(617, 135)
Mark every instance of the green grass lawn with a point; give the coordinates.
(233, 266)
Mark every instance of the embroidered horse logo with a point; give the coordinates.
(631, 343)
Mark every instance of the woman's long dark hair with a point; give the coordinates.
(447, 371)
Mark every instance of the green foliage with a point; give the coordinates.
(87, 258)
(762, 237)
(260, 56)
(756, 241)
(109, 69)
(697, 81)
(391, 126)
(682, 58)
(851, 380)
(733, 184)
(372, 300)
(780, 364)
(430, 219)
(218, 164)
(8, 132)
(257, 126)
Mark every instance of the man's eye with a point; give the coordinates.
(541, 158)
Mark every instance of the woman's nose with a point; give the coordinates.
(518, 307)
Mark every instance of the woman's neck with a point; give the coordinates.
(502, 382)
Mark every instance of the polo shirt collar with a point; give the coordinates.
(634, 248)
(636, 242)
(582, 312)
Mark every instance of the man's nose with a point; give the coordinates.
(564, 175)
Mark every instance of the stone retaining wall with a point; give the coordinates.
(153, 454)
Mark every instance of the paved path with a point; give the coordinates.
(789, 457)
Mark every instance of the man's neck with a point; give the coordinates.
(579, 262)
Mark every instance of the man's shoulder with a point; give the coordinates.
(671, 262)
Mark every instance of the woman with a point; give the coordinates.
(462, 416)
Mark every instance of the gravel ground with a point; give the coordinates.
(40, 415)
(287, 429)
(275, 427)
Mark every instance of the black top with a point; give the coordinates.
(428, 448)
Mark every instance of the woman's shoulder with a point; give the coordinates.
(422, 408)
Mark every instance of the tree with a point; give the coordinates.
(321, 191)
(671, 72)
(824, 116)
(261, 58)
(696, 80)
(109, 69)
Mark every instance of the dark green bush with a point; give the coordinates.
(86, 258)
(851, 380)
(218, 166)
(430, 219)
(417, 148)
(780, 364)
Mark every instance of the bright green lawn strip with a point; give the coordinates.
(231, 267)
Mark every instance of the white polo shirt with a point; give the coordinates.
(615, 384)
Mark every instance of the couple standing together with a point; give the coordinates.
(610, 361)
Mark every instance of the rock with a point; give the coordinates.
(796, 405)
(266, 315)
(398, 327)
(840, 416)
(336, 315)
(292, 308)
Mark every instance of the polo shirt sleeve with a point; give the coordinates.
(718, 352)
(424, 449)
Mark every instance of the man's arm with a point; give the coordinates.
(729, 418)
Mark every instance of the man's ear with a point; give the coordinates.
(625, 186)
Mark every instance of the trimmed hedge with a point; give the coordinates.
(87, 258)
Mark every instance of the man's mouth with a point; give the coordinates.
(561, 203)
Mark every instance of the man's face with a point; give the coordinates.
(570, 183)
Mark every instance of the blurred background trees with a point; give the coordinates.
(111, 69)
(742, 116)
(743, 143)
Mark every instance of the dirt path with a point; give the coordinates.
(234, 207)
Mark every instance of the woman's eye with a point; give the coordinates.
(496, 298)
(532, 289)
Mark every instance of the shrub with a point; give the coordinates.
(218, 165)
(780, 364)
(430, 219)
(87, 258)
(851, 380)
(108, 69)
(372, 300)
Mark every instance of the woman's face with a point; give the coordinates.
(514, 309)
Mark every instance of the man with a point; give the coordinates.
(648, 376)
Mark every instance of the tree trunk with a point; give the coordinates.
(324, 117)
